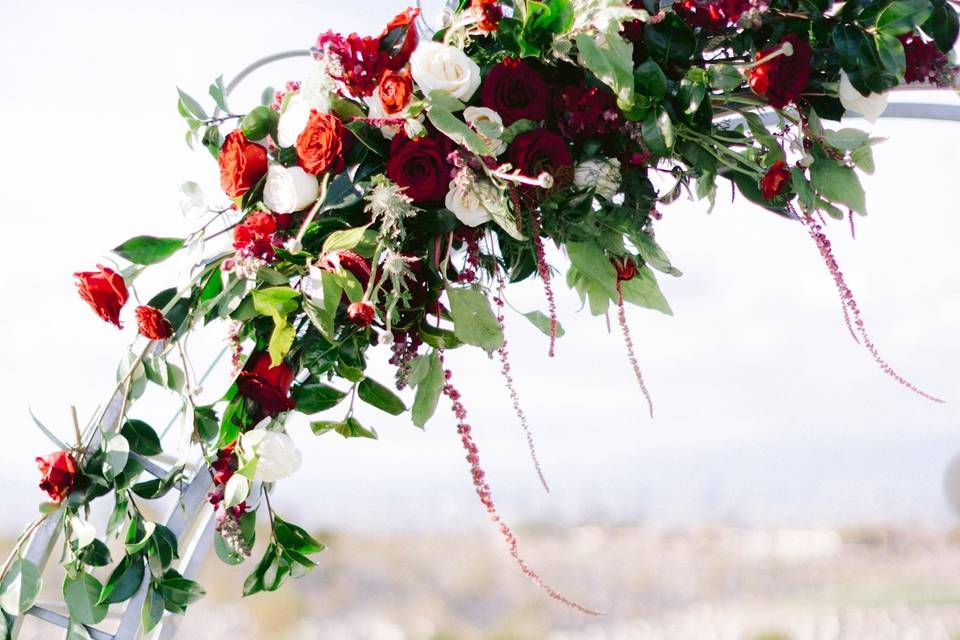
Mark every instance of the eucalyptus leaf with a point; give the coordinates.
(458, 131)
(473, 319)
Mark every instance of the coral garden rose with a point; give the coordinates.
(152, 324)
(105, 291)
(322, 143)
(242, 164)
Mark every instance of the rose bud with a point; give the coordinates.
(775, 180)
(626, 268)
(361, 314)
(57, 473)
(267, 385)
(105, 292)
(152, 324)
(242, 164)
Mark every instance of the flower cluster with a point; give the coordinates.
(390, 196)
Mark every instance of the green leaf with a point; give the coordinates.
(76, 631)
(892, 56)
(643, 291)
(612, 62)
(902, 16)
(473, 319)
(159, 487)
(152, 610)
(653, 254)
(20, 587)
(442, 99)
(658, 133)
(670, 41)
(374, 393)
(276, 301)
(148, 250)
(650, 80)
(457, 130)
(344, 239)
(267, 575)
(294, 538)
(542, 321)
(139, 534)
(162, 551)
(219, 93)
(863, 158)
(838, 183)
(82, 595)
(124, 581)
(191, 106)
(141, 437)
(314, 397)
(593, 264)
(943, 25)
(117, 450)
(205, 423)
(724, 77)
(427, 376)
(96, 554)
(179, 592)
(259, 123)
(349, 428)
(438, 338)
(846, 139)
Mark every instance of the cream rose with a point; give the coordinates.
(277, 455)
(489, 126)
(289, 189)
(603, 175)
(467, 204)
(870, 107)
(439, 66)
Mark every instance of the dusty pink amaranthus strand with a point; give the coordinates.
(504, 356)
(486, 498)
(544, 270)
(850, 309)
(628, 341)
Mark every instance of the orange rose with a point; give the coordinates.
(242, 164)
(321, 145)
(396, 89)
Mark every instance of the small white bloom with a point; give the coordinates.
(439, 66)
(466, 203)
(277, 455)
(489, 126)
(81, 532)
(870, 107)
(603, 175)
(289, 189)
(293, 120)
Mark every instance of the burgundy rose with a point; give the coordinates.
(152, 324)
(105, 291)
(267, 385)
(542, 151)
(321, 146)
(775, 180)
(586, 112)
(242, 164)
(925, 62)
(420, 166)
(711, 15)
(516, 91)
(255, 236)
(782, 78)
(57, 473)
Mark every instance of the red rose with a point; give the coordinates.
(419, 166)
(626, 268)
(396, 89)
(255, 236)
(586, 112)
(361, 314)
(105, 291)
(242, 164)
(152, 324)
(515, 91)
(775, 180)
(488, 14)
(321, 145)
(398, 40)
(266, 385)
(542, 151)
(57, 472)
(783, 78)
(224, 465)
(711, 15)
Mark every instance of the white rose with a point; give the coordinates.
(438, 66)
(870, 107)
(289, 189)
(293, 120)
(489, 126)
(467, 205)
(603, 175)
(277, 455)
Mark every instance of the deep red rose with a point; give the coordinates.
(152, 324)
(711, 15)
(361, 314)
(542, 151)
(242, 164)
(586, 112)
(255, 236)
(224, 465)
(925, 62)
(420, 166)
(488, 14)
(515, 90)
(398, 40)
(775, 180)
(321, 146)
(395, 90)
(57, 473)
(266, 385)
(105, 291)
(782, 79)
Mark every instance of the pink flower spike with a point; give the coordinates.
(483, 491)
(543, 269)
(851, 312)
(628, 342)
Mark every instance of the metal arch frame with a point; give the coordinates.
(189, 515)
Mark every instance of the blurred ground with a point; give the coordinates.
(704, 584)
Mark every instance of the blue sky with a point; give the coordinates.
(766, 410)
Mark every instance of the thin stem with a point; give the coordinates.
(315, 209)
